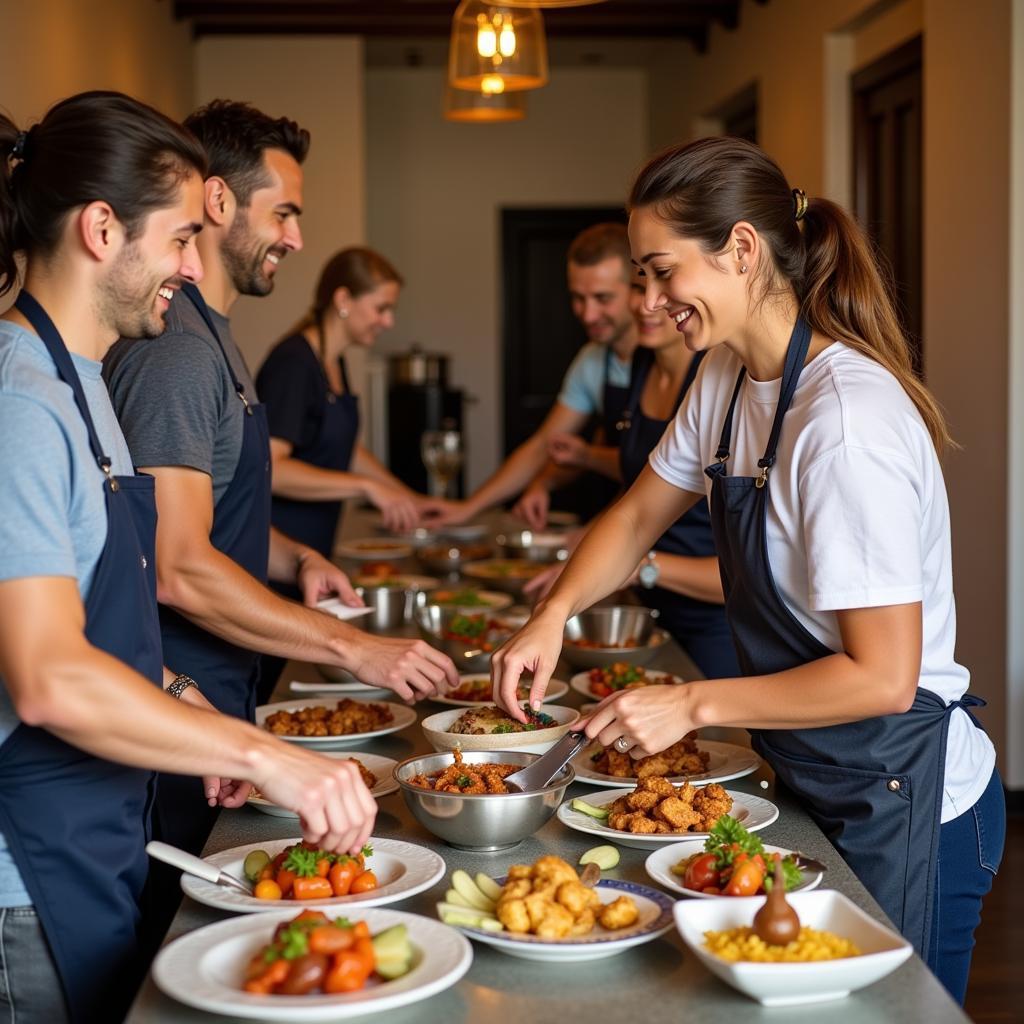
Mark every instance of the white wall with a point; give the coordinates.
(435, 190)
(319, 83)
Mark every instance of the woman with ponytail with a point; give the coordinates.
(818, 450)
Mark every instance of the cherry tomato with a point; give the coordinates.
(701, 872)
(746, 879)
(267, 889)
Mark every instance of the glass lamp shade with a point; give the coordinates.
(483, 107)
(550, 4)
(495, 40)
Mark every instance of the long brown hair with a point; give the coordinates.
(702, 189)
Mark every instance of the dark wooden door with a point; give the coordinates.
(887, 109)
(540, 335)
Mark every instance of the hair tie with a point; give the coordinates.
(799, 203)
(18, 150)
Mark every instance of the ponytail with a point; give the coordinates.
(816, 249)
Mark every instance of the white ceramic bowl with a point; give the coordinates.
(435, 728)
(882, 950)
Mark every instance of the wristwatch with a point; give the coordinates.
(180, 685)
(649, 572)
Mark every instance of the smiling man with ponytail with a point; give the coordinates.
(818, 450)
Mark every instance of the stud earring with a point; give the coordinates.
(343, 313)
(743, 268)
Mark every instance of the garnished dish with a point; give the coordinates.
(620, 675)
(485, 721)
(349, 717)
(682, 758)
(480, 631)
(505, 569)
(374, 549)
(656, 807)
(304, 872)
(468, 779)
(478, 689)
(454, 552)
(312, 953)
(463, 597)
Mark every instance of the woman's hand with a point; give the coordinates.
(533, 506)
(650, 718)
(436, 510)
(397, 507)
(318, 578)
(569, 450)
(411, 668)
(535, 648)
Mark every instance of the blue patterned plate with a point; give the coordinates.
(655, 919)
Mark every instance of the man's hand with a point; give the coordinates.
(397, 507)
(411, 668)
(533, 505)
(318, 578)
(569, 450)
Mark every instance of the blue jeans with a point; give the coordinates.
(970, 849)
(30, 989)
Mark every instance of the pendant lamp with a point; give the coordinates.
(496, 41)
(551, 4)
(485, 107)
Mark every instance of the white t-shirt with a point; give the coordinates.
(857, 512)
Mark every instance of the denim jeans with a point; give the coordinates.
(970, 849)
(30, 990)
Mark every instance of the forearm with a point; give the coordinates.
(285, 557)
(367, 464)
(292, 478)
(553, 477)
(604, 460)
(693, 577)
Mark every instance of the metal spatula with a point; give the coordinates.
(193, 865)
(545, 768)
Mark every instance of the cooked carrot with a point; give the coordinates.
(348, 973)
(276, 972)
(342, 874)
(315, 888)
(364, 882)
(331, 939)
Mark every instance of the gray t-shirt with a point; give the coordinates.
(53, 513)
(176, 398)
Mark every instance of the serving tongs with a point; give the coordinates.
(537, 775)
(193, 865)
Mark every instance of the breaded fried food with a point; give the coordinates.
(364, 773)
(622, 913)
(643, 800)
(656, 807)
(557, 923)
(682, 758)
(677, 814)
(711, 802)
(513, 915)
(348, 718)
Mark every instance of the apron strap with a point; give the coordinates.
(344, 375)
(29, 307)
(796, 353)
(195, 296)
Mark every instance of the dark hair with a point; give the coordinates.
(704, 188)
(93, 146)
(600, 242)
(235, 136)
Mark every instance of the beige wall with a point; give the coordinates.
(319, 83)
(54, 48)
(802, 52)
(436, 189)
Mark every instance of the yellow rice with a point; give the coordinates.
(742, 944)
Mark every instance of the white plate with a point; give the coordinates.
(205, 969)
(373, 549)
(655, 919)
(791, 984)
(382, 767)
(753, 812)
(336, 607)
(403, 717)
(402, 870)
(403, 581)
(659, 868)
(556, 688)
(728, 761)
(349, 688)
(581, 681)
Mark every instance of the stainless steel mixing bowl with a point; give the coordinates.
(608, 627)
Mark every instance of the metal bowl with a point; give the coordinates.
(433, 621)
(508, 574)
(535, 546)
(610, 628)
(449, 558)
(392, 607)
(486, 822)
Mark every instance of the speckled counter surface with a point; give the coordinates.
(656, 982)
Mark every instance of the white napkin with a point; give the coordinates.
(334, 606)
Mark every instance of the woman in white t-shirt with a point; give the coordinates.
(817, 448)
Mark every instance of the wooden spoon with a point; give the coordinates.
(776, 922)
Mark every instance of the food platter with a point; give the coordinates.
(728, 761)
(556, 688)
(382, 767)
(205, 969)
(659, 868)
(402, 717)
(378, 549)
(580, 682)
(753, 812)
(402, 870)
(655, 919)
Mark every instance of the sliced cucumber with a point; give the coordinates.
(601, 813)
(605, 857)
(460, 917)
(392, 952)
(255, 862)
(469, 890)
(457, 900)
(457, 908)
(488, 886)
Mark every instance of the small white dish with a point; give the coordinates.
(556, 688)
(655, 919)
(402, 717)
(660, 863)
(435, 728)
(753, 812)
(402, 870)
(728, 761)
(206, 969)
(792, 984)
(382, 767)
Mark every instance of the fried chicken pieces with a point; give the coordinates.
(470, 779)
(349, 717)
(657, 807)
(682, 758)
(547, 899)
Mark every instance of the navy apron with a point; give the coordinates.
(316, 522)
(77, 825)
(874, 787)
(700, 627)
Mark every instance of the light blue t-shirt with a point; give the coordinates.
(53, 514)
(583, 384)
